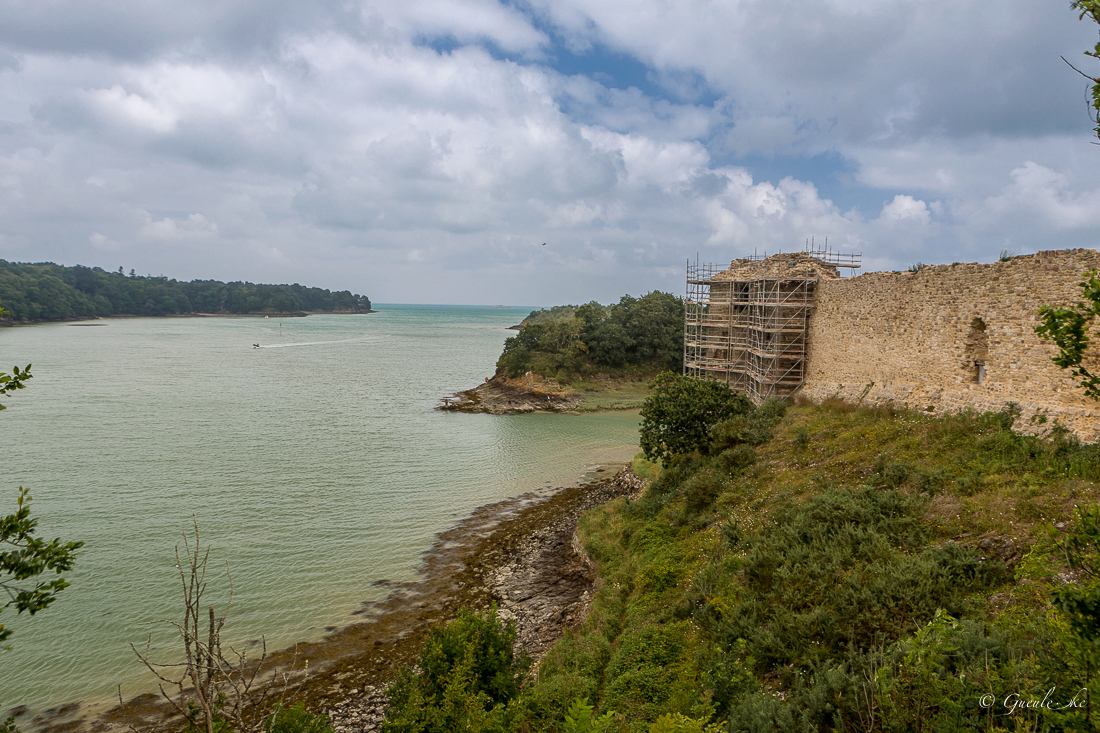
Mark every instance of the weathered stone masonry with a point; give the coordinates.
(949, 337)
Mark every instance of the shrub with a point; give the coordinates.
(581, 718)
(468, 674)
(682, 412)
(736, 458)
(678, 723)
(297, 720)
(841, 570)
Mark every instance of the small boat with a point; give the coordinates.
(256, 346)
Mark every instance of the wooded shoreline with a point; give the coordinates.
(7, 323)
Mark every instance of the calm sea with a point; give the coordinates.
(314, 466)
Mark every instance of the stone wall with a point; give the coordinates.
(920, 339)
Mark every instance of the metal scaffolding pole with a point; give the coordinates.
(746, 325)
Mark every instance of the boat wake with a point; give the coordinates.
(314, 343)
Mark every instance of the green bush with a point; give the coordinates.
(581, 718)
(737, 458)
(650, 672)
(467, 676)
(840, 571)
(297, 720)
(682, 414)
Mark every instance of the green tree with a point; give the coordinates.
(1090, 8)
(682, 412)
(1069, 328)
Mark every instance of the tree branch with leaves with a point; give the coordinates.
(23, 556)
(1068, 327)
(26, 556)
(1090, 9)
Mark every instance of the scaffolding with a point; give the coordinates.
(746, 325)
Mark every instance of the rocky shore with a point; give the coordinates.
(541, 580)
(521, 553)
(500, 395)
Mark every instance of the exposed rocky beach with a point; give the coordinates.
(500, 395)
(540, 578)
(522, 554)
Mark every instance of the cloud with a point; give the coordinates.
(101, 241)
(196, 226)
(132, 108)
(1045, 197)
(358, 144)
(905, 210)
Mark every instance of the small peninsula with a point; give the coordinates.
(582, 358)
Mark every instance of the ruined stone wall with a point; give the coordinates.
(915, 339)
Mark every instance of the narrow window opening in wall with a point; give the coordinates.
(976, 351)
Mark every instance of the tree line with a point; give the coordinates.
(46, 292)
(646, 332)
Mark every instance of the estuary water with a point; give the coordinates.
(314, 466)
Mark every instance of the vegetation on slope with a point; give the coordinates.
(45, 292)
(636, 337)
(837, 568)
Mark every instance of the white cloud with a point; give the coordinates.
(133, 108)
(331, 141)
(195, 226)
(1046, 197)
(905, 210)
(102, 242)
(463, 20)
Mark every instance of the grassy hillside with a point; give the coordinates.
(859, 570)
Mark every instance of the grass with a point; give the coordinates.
(767, 592)
(596, 396)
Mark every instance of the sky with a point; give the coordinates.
(422, 151)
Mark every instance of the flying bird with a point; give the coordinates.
(544, 244)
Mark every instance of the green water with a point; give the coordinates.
(314, 465)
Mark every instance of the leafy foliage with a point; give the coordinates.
(1079, 602)
(468, 673)
(682, 413)
(581, 718)
(296, 719)
(591, 337)
(15, 380)
(839, 572)
(45, 291)
(25, 557)
(1069, 327)
(1091, 9)
(680, 723)
(839, 583)
(545, 315)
